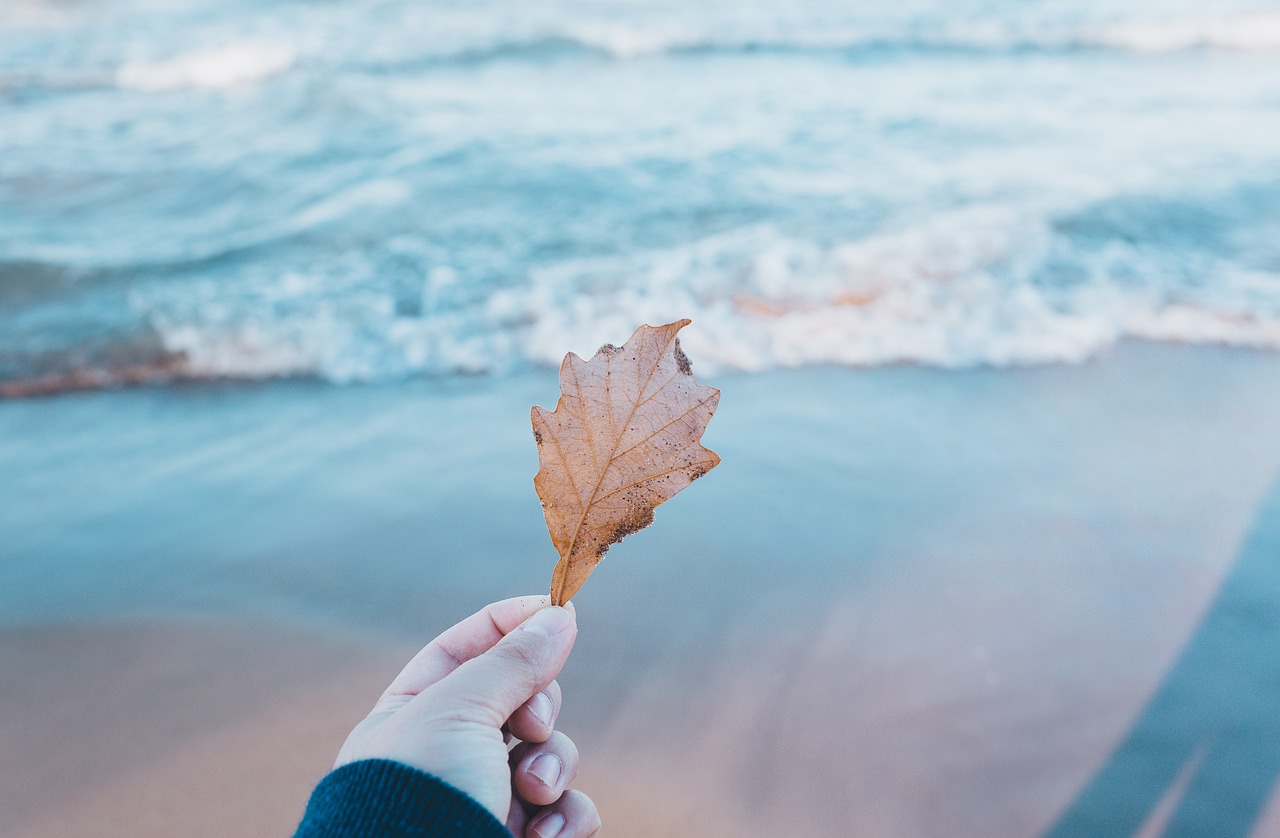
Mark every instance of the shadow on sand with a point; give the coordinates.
(1214, 724)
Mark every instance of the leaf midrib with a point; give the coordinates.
(577, 530)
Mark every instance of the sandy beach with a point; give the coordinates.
(909, 603)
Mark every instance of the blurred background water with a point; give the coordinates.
(912, 601)
(376, 190)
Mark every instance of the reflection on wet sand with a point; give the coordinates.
(1211, 733)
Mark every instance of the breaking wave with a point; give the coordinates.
(1257, 32)
(986, 286)
(237, 65)
(215, 68)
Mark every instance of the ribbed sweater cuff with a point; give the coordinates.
(379, 797)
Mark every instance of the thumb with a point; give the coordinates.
(490, 687)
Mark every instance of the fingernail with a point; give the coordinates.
(550, 826)
(541, 707)
(547, 769)
(549, 621)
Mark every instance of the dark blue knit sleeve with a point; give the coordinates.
(379, 797)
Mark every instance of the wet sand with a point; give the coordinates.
(908, 603)
(194, 728)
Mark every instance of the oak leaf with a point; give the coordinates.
(623, 438)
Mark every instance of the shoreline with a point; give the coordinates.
(174, 372)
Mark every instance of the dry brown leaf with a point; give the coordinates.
(623, 438)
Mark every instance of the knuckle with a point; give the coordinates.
(389, 703)
(479, 706)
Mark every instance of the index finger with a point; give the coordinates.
(474, 636)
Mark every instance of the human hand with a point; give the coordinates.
(453, 709)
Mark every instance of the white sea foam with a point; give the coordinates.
(1258, 32)
(247, 351)
(957, 290)
(1181, 323)
(625, 42)
(1248, 32)
(929, 294)
(215, 68)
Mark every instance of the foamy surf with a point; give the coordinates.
(1243, 33)
(1240, 32)
(1258, 32)
(964, 289)
(212, 68)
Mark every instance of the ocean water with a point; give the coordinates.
(376, 190)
